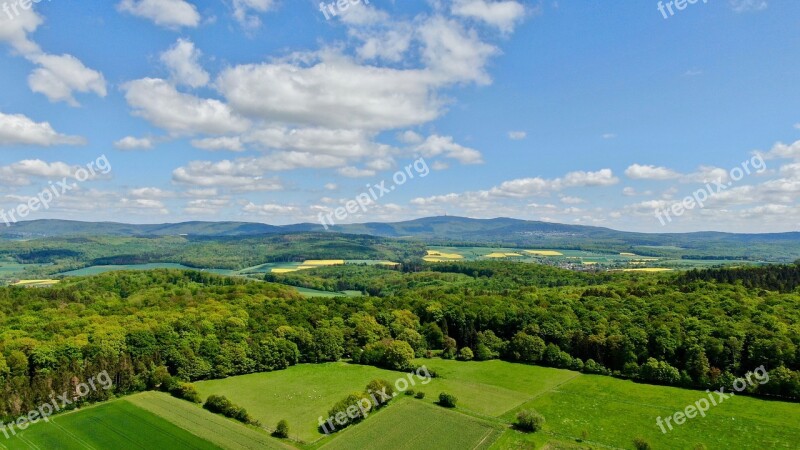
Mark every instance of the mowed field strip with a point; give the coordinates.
(225, 433)
(115, 425)
(412, 424)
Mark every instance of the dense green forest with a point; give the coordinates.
(140, 325)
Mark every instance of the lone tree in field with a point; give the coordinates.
(529, 420)
(282, 431)
(465, 354)
(447, 400)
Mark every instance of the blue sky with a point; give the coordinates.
(586, 112)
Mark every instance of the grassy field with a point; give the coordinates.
(412, 424)
(225, 433)
(610, 412)
(114, 425)
(315, 293)
(94, 270)
(582, 411)
(300, 394)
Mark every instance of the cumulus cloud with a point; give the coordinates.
(134, 143)
(517, 135)
(233, 144)
(158, 102)
(269, 209)
(335, 94)
(164, 13)
(56, 76)
(17, 129)
(246, 11)
(60, 75)
(522, 188)
(783, 151)
(504, 14)
(183, 62)
(650, 172)
(437, 145)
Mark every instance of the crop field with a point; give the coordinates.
(414, 424)
(35, 283)
(117, 424)
(571, 258)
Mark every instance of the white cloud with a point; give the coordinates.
(741, 6)
(134, 143)
(233, 144)
(17, 129)
(183, 62)
(503, 14)
(59, 76)
(437, 145)
(410, 137)
(243, 9)
(335, 93)
(238, 175)
(161, 104)
(453, 53)
(269, 209)
(784, 151)
(165, 13)
(206, 206)
(144, 206)
(572, 200)
(650, 172)
(609, 136)
(15, 30)
(150, 193)
(353, 172)
(602, 177)
(517, 135)
(331, 186)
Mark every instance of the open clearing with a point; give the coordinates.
(412, 424)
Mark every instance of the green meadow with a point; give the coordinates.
(583, 410)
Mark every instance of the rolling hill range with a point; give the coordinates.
(458, 230)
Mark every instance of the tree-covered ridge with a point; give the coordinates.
(783, 278)
(235, 253)
(140, 325)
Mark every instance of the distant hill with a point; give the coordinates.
(458, 230)
(62, 228)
